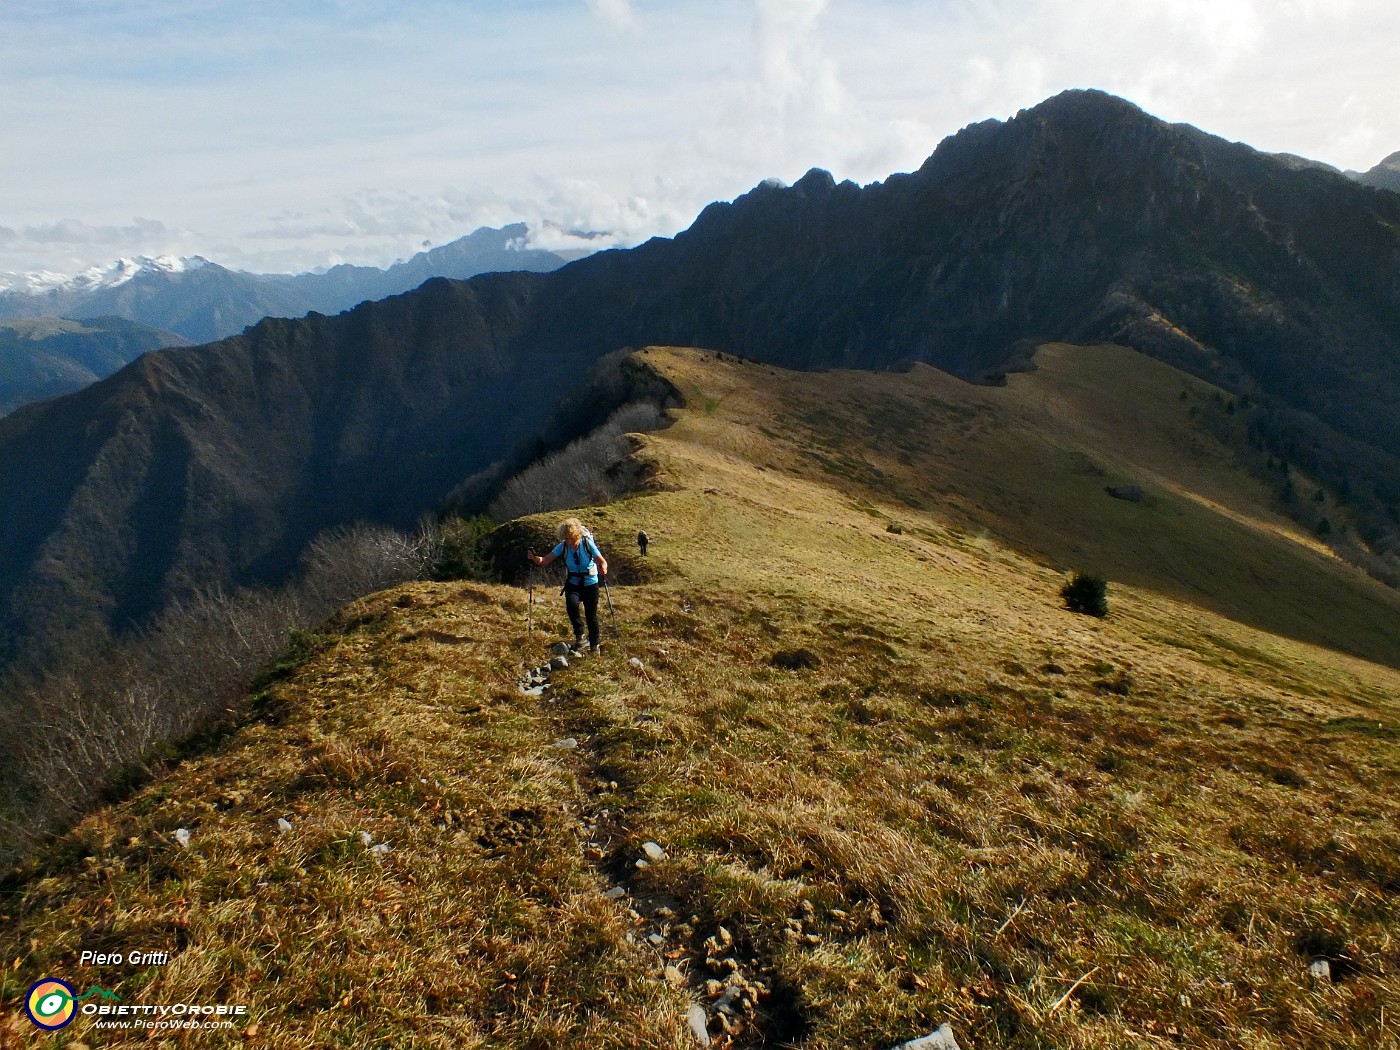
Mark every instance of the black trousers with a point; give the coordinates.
(576, 595)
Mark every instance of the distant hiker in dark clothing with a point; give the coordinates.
(583, 561)
(642, 542)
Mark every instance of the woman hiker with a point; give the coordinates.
(583, 562)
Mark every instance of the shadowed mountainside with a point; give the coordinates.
(1081, 219)
(149, 484)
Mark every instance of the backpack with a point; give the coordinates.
(569, 573)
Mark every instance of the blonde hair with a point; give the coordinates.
(570, 531)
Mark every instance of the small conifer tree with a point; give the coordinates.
(1087, 594)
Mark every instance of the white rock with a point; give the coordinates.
(1321, 969)
(695, 1018)
(284, 825)
(559, 663)
(653, 851)
(560, 649)
(642, 864)
(942, 1039)
(614, 893)
(636, 662)
(656, 940)
(569, 743)
(379, 850)
(366, 839)
(182, 836)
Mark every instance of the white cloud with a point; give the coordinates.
(619, 13)
(74, 232)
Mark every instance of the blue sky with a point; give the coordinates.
(282, 136)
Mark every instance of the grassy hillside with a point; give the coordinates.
(48, 356)
(895, 782)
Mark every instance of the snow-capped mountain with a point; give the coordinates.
(95, 278)
(204, 301)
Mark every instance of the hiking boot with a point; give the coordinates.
(596, 649)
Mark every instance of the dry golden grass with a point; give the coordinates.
(896, 782)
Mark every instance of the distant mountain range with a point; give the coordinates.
(49, 356)
(203, 301)
(1082, 220)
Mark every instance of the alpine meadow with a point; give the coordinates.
(893, 781)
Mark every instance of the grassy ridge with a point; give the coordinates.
(896, 783)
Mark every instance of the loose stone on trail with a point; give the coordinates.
(182, 836)
(560, 649)
(569, 743)
(614, 893)
(1321, 969)
(636, 662)
(942, 1039)
(653, 851)
(559, 663)
(284, 825)
(695, 1017)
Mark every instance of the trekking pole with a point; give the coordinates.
(608, 591)
(530, 610)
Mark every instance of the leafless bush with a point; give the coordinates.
(578, 474)
(1379, 563)
(97, 723)
(345, 563)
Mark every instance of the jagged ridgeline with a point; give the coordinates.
(1081, 219)
(845, 772)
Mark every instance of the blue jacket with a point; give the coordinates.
(579, 561)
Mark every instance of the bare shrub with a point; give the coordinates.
(1378, 562)
(110, 714)
(578, 474)
(344, 564)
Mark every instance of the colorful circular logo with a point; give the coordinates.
(50, 1004)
